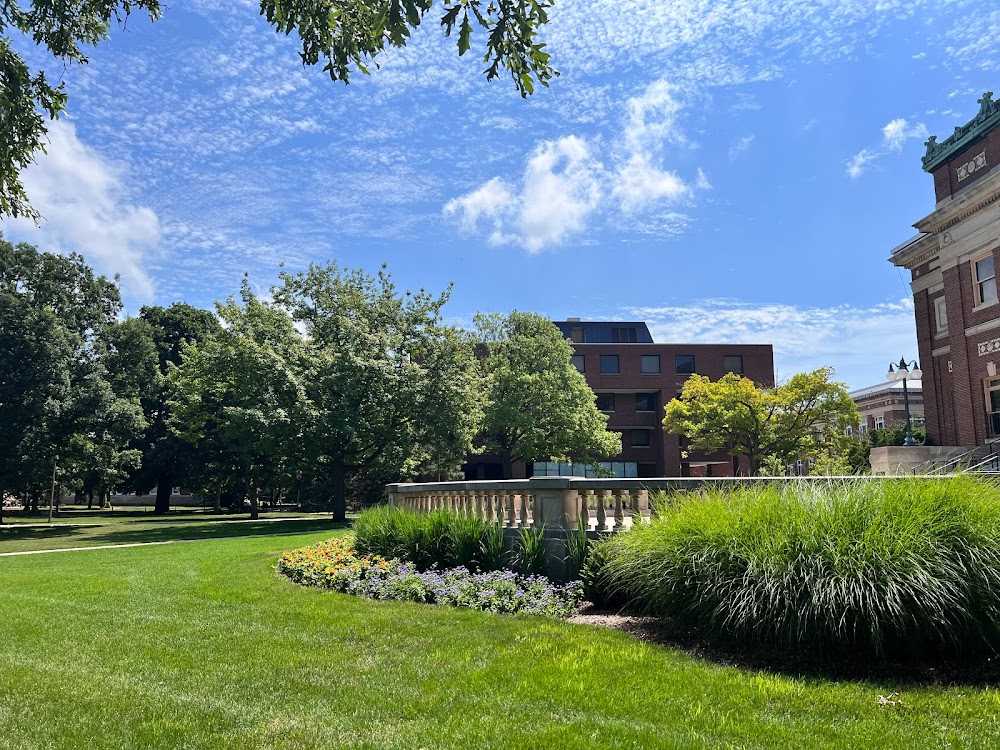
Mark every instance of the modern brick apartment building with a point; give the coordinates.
(953, 262)
(634, 378)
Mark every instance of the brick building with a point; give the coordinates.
(882, 405)
(953, 263)
(634, 378)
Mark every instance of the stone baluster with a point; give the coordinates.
(522, 519)
(643, 505)
(481, 500)
(509, 498)
(602, 497)
(491, 506)
(585, 508)
(536, 511)
(620, 496)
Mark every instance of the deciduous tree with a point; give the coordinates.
(781, 424)
(389, 385)
(537, 404)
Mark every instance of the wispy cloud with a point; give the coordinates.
(854, 340)
(740, 146)
(85, 205)
(895, 134)
(898, 131)
(565, 184)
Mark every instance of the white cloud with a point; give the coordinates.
(85, 209)
(858, 163)
(652, 118)
(564, 184)
(898, 131)
(560, 188)
(740, 146)
(639, 183)
(857, 341)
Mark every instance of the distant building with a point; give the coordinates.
(882, 405)
(953, 262)
(634, 378)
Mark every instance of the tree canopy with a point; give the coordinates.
(342, 35)
(537, 404)
(773, 425)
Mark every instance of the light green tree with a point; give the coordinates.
(239, 395)
(390, 386)
(767, 425)
(342, 35)
(537, 405)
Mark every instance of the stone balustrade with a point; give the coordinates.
(559, 502)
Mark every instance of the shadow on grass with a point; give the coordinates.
(10, 533)
(978, 671)
(219, 530)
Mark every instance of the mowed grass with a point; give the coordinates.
(203, 646)
(22, 538)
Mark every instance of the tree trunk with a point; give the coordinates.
(217, 506)
(164, 486)
(339, 492)
(255, 503)
(507, 466)
(90, 499)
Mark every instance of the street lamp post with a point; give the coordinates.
(901, 371)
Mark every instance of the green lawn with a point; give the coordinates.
(203, 646)
(25, 538)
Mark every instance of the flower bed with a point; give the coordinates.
(336, 565)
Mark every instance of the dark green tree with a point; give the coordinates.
(53, 311)
(537, 405)
(164, 456)
(342, 35)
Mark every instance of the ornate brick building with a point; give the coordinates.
(953, 262)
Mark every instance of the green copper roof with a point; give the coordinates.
(985, 120)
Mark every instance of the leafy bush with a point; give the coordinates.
(902, 566)
(336, 565)
(441, 538)
(597, 588)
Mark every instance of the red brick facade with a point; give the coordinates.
(960, 355)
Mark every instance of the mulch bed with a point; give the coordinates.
(982, 672)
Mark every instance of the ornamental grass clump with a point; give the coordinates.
(440, 538)
(901, 567)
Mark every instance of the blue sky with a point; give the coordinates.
(728, 170)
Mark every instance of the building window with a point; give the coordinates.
(733, 363)
(849, 431)
(623, 335)
(645, 402)
(941, 315)
(798, 468)
(609, 364)
(984, 274)
(576, 335)
(578, 361)
(605, 402)
(879, 423)
(993, 406)
(641, 438)
(863, 427)
(684, 364)
(650, 364)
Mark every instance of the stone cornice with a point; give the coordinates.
(917, 252)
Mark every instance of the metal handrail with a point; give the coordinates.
(934, 466)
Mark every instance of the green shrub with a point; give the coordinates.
(902, 566)
(577, 548)
(597, 587)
